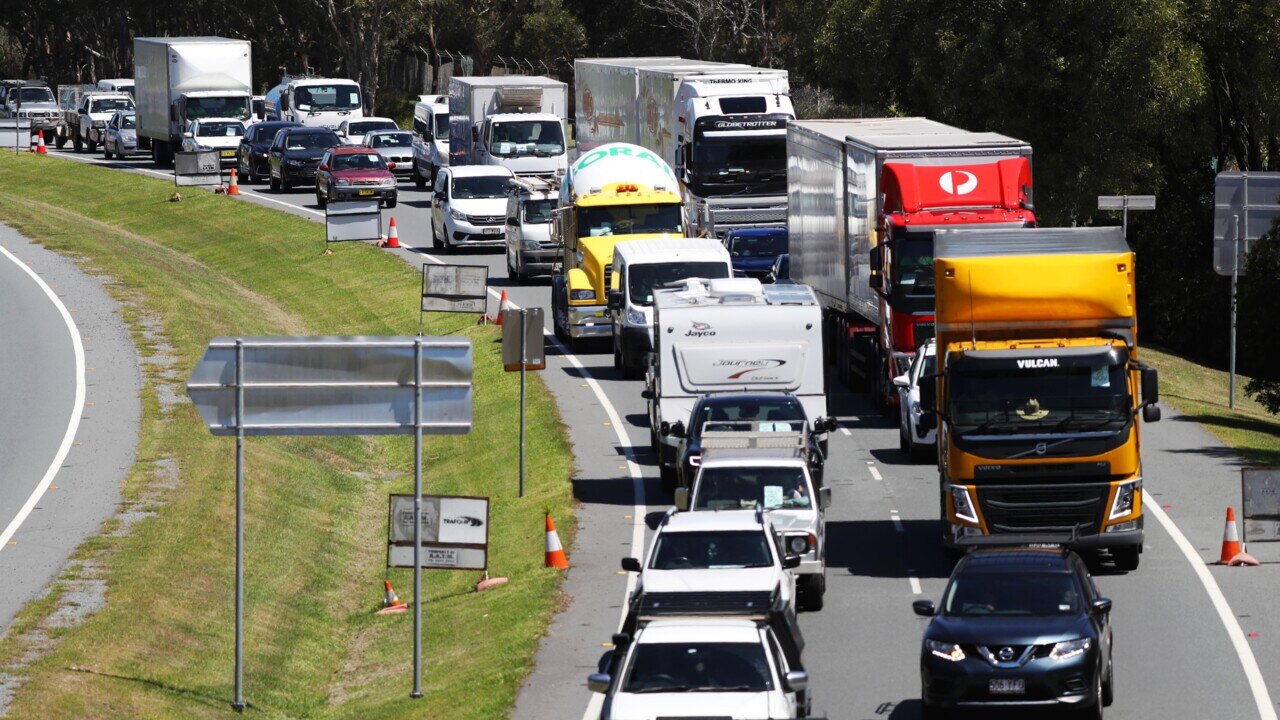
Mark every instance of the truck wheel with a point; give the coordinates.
(814, 591)
(77, 143)
(60, 141)
(1127, 558)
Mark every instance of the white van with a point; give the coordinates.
(530, 207)
(639, 268)
(430, 138)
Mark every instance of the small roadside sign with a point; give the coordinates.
(1261, 504)
(455, 288)
(202, 167)
(353, 220)
(455, 532)
(522, 340)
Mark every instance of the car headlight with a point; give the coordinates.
(342, 183)
(586, 294)
(263, 154)
(295, 163)
(944, 650)
(388, 182)
(1124, 501)
(963, 504)
(459, 216)
(798, 544)
(636, 317)
(530, 244)
(1070, 648)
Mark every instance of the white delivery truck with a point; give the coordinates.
(315, 101)
(723, 127)
(515, 121)
(181, 79)
(730, 335)
(640, 267)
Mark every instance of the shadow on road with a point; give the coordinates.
(618, 491)
(875, 548)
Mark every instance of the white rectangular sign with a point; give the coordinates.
(455, 531)
(401, 556)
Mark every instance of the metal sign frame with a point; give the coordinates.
(1244, 205)
(201, 167)
(1260, 504)
(352, 220)
(19, 129)
(394, 544)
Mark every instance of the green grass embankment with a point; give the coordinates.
(316, 531)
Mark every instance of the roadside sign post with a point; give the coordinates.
(1125, 203)
(1260, 504)
(333, 386)
(522, 349)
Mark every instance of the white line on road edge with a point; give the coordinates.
(915, 584)
(874, 472)
(77, 409)
(1266, 711)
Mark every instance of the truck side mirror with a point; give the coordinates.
(631, 564)
(1151, 413)
(876, 282)
(647, 394)
(614, 298)
(791, 562)
(682, 499)
(475, 133)
(1150, 385)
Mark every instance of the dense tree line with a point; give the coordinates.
(1116, 96)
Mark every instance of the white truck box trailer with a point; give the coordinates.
(515, 121)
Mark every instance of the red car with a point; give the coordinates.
(354, 173)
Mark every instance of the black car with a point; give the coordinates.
(295, 154)
(253, 159)
(730, 410)
(1021, 627)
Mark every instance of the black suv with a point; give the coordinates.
(1018, 626)
(252, 157)
(296, 153)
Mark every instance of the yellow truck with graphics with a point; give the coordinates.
(613, 193)
(1040, 388)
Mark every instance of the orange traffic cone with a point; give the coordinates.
(555, 551)
(40, 149)
(234, 187)
(1232, 553)
(393, 235)
(503, 305)
(391, 603)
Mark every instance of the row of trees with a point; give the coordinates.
(1141, 97)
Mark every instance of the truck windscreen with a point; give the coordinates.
(32, 95)
(320, 98)
(725, 488)
(737, 162)
(629, 220)
(1080, 398)
(111, 105)
(236, 106)
(911, 255)
(539, 138)
(642, 279)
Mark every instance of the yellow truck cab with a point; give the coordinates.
(1040, 388)
(613, 193)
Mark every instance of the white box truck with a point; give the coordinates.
(731, 335)
(515, 121)
(721, 126)
(181, 79)
(315, 101)
(865, 197)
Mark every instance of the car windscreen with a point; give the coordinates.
(219, 129)
(317, 98)
(629, 220)
(779, 415)
(392, 140)
(538, 211)
(642, 279)
(527, 137)
(748, 246)
(724, 488)
(214, 107)
(698, 667)
(711, 550)
(112, 105)
(32, 95)
(973, 594)
(473, 188)
(362, 161)
(310, 141)
(364, 128)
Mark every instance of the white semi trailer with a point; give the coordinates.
(181, 79)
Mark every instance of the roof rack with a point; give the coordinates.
(744, 435)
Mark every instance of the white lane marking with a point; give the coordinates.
(845, 430)
(915, 584)
(1266, 710)
(874, 472)
(260, 196)
(897, 521)
(77, 408)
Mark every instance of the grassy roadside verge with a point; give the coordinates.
(1200, 393)
(161, 647)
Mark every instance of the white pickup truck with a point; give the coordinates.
(88, 124)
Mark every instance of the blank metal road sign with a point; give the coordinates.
(335, 385)
(1247, 201)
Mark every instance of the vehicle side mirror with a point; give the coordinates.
(1150, 385)
(631, 564)
(769, 278)
(923, 608)
(832, 424)
(902, 381)
(928, 393)
(1151, 413)
(513, 222)
(440, 195)
(876, 282)
(797, 680)
(475, 133)
(81, 111)
(791, 562)
(324, 167)
(682, 499)
(677, 429)
(598, 682)
(928, 421)
(647, 393)
(824, 498)
(614, 298)
(187, 134)
(1100, 606)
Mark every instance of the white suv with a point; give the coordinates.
(469, 206)
(777, 481)
(914, 439)
(734, 551)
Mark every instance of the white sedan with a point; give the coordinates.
(917, 443)
(221, 134)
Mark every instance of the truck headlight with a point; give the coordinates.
(636, 317)
(586, 294)
(963, 504)
(458, 216)
(800, 544)
(1124, 501)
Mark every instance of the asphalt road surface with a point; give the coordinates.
(1192, 641)
(69, 410)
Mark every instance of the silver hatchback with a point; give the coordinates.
(120, 139)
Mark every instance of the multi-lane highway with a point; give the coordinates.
(1192, 641)
(69, 409)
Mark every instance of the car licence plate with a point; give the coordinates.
(228, 153)
(492, 231)
(1007, 687)
(366, 192)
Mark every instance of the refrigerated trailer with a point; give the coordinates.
(864, 198)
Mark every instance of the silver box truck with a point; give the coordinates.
(181, 79)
